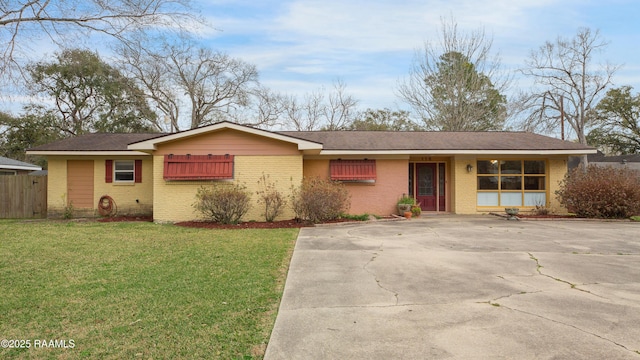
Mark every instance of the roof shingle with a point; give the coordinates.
(356, 141)
(95, 142)
(419, 140)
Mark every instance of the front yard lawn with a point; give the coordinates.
(139, 290)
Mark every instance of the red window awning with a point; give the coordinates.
(198, 167)
(353, 170)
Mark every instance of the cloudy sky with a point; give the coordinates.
(302, 45)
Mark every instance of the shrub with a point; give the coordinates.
(318, 200)
(271, 198)
(363, 217)
(222, 202)
(601, 192)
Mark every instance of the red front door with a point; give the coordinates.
(430, 182)
(426, 186)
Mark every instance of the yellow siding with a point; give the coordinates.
(173, 200)
(557, 171)
(463, 195)
(56, 186)
(124, 195)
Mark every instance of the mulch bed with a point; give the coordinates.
(245, 225)
(526, 216)
(212, 225)
(126, 218)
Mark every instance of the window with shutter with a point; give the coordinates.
(353, 170)
(198, 167)
(125, 171)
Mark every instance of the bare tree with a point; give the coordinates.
(181, 78)
(21, 21)
(315, 111)
(340, 109)
(150, 71)
(456, 84)
(567, 82)
(215, 83)
(265, 109)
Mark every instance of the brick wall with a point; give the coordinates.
(377, 198)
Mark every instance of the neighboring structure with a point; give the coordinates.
(454, 172)
(15, 167)
(618, 161)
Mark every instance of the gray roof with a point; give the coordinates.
(356, 141)
(95, 142)
(434, 140)
(6, 163)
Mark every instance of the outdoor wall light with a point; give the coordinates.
(469, 168)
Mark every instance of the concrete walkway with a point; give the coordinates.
(465, 287)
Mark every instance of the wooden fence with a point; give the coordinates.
(23, 196)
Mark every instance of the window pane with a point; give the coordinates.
(124, 176)
(425, 181)
(441, 181)
(533, 199)
(487, 166)
(487, 199)
(511, 199)
(487, 183)
(124, 165)
(511, 167)
(534, 167)
(534, 182)
(511, 183)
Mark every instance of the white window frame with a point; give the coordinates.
(116, 171)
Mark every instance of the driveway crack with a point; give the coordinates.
(375, 277)
(572, 285)
(569, 325)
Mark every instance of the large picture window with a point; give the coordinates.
(511, 182)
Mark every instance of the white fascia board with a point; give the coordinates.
(457, 152)
(18, 167)
(151, 144)
(88, 153)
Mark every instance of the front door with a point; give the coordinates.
(426, 186)
(430, 183)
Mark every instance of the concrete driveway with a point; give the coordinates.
(466, 287)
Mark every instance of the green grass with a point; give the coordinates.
(140, 290)
(635, 218)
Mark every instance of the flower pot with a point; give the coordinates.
(407, 214)
(416, 210)
(403, 208)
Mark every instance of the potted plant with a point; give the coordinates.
(416, 210)
(512, 212)
(404, 204)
